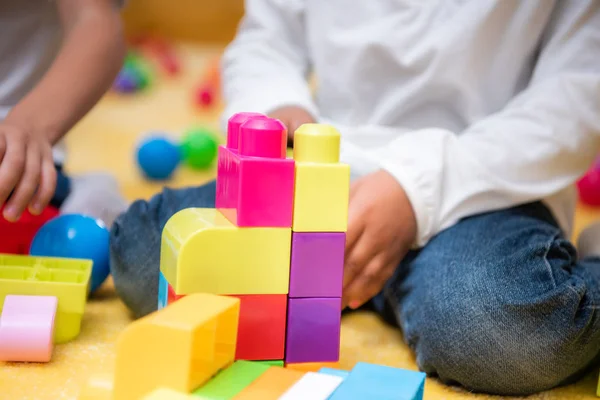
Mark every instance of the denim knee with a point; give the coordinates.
(494, 338)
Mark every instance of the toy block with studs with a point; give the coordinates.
(317, 264)
(255, 180)
(322, 183)
(67, 279)
(203, 252)
(27, 328)
(179, 347)
(231, 381)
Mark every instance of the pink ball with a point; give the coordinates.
(589, 187)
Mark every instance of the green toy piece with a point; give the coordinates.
(199, 148)
(275, 363)
(232, 380)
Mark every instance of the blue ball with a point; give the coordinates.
(158, 157)
(75, 236)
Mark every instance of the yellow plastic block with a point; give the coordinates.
(322, 183)
(202, 252)
(179, 347)
(66, 279)
(169, 394)
(312, 367)
(270, 385)
(97, 388)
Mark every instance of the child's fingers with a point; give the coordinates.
(367, 284)
(28, 184)
(47, 185)
(2, 147)
(12, 167)
(355, 264)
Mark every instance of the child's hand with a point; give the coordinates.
(292, 117)
(381, 229)
(27, 172)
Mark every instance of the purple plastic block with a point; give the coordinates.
(313, 330)
(317, 264)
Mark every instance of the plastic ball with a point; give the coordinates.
(126, 81)
(75, 236)
(204, 97)
(158, 157)
(199, 147)
(589, 188)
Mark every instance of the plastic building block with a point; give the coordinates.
(98, 387)
(262, 327)
(334, 372)
(380, 382)
(67, 279)
(233, 128)
(322, 183)
(270, 385)
(255, 182)
(317, 264)
(27, 328)
(203, 252)
(275, 363)
(313, 331)
(179, 347)
(163, 291)
(171, 295)
(313, 386)
(312, 366)
(167, 394)
(17, 236)
(232, 380)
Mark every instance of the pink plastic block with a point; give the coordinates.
(27, 328)
(313, 330)
(317, 264)
(233, 127)
(255, 182)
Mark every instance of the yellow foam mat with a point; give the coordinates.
(105, 140)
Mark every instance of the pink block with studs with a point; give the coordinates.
(27, 328)
(255, 179)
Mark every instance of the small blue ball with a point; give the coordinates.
(158, 157)
(76, 236)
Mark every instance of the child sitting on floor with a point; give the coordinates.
(466, 124)
(57, 59)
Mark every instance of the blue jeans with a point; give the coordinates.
(498, 303)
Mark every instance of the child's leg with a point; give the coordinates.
(499, 303)
(136, 240)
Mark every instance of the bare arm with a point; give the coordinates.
(91, 56)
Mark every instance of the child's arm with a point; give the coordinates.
(266, 67)
(91, 55)
(538, 145)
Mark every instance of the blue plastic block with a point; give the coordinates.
(163, 291)
(334, 372)
(379, 382)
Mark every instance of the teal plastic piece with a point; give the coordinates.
(231, 381)
(379, 382)
(334, 372)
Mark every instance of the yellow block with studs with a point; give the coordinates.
(322, 183)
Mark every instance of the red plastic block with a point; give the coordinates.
(27, 328)
(261, 330)
(255, 180)
(16, 237)
(172, 296)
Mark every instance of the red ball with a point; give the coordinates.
(589, 188)
(204, 97)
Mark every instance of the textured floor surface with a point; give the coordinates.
(105, 140)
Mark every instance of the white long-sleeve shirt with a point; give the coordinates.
(472, 105)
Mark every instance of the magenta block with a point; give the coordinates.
(317, 264)
(233, 127)
(313, 330)
(255, 182)
(27, 328)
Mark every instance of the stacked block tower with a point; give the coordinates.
(275, 240)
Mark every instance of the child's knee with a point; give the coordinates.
(135, 257)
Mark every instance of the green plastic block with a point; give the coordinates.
(231, 381)
(276, 363)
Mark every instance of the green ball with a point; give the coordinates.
(199, 148)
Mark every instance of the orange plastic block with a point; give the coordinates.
(270, 385)
(312, 367)
(179, 347)
(262, 327)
